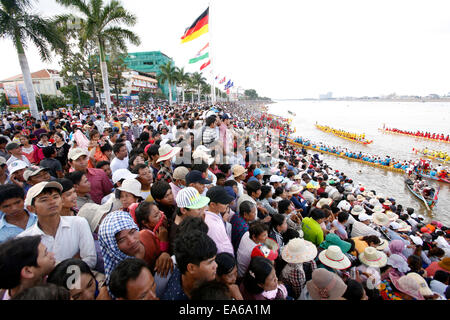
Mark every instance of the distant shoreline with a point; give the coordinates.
(369, 100)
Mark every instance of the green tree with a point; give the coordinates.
(18, 24)
(183, 79)
(168, 74)
(251, 94)
(117, 66)
(3, 102)
(100, 23)
(51, 102)
(71, 95)
(197, 81)
(145, 96)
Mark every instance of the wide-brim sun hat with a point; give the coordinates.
(299, 250)
(391, 216)
(372, 257)
(374, 201)
(380, 219)
(378, 208)
(324, 201)
(357, 210)
(167, 152)
(404, 227)
(333, 239)
(132, 186)
(238, 170)
(334, 258)
(406, 284)
(383, 244)
(325, 285)
(360, 198)
(295, 189)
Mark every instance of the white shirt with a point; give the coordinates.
(72, 237)
(12, 159)
(116, 164)
(244, 253)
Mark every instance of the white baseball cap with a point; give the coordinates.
(275, 178)
(75, 153)
(120, 174)
(37, 189)
(16, 166)
(132, 186)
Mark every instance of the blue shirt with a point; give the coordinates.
(174, 289)
(8, 230)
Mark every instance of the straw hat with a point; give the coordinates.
(351, 197)
(357, 210)
(374, 201)
(407, 284)
(238, 170)
(324, 201)
(360, 198)
(404, 227)
(378, 208)
(387, 203)
(371, 195)
(325, 285)
(424, 289)
(391, 216)
(299, 250)
(380, 219)
(334, 258)
(383, 244)
(167, 152)
(295, 189)
(372, 257)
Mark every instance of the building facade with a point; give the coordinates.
(150, 62)
(45, 81)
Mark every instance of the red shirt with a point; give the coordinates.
(100, 184)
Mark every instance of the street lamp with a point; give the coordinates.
(76, 77)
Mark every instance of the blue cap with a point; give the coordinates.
(257, 171)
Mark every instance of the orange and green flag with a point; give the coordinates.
(198, 28)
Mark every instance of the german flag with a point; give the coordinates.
(199, 27)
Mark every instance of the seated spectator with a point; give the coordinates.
(311, 226)
(195, 253)
(218, 206)
(227, 273)
(240, 221)
(260, 281)
(86, 287)
(51, 163)
(14, 219)
(82, 188)
(66, 237)
(131, 279)
(256, 234)
(24, 263)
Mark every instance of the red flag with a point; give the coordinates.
(205, 65)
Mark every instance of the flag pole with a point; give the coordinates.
(211, 54)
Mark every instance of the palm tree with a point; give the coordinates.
(183, 79)
(198, 80)
(21, 26)
(101, 23)
(168, 74)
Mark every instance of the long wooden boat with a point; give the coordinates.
(342, 155)
(428, 203)
(365, 141)
(422, 174)
(411, 136)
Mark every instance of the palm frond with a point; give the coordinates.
(81, 5)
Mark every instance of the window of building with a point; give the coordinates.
(150, 63)
(58, 85)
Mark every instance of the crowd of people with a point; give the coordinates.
(434, 154)
(419, 134)
(198, 202)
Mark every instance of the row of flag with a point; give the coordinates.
(195, 30)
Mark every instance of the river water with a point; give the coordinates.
(368, 117)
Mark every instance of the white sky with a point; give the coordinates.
(295, 48)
